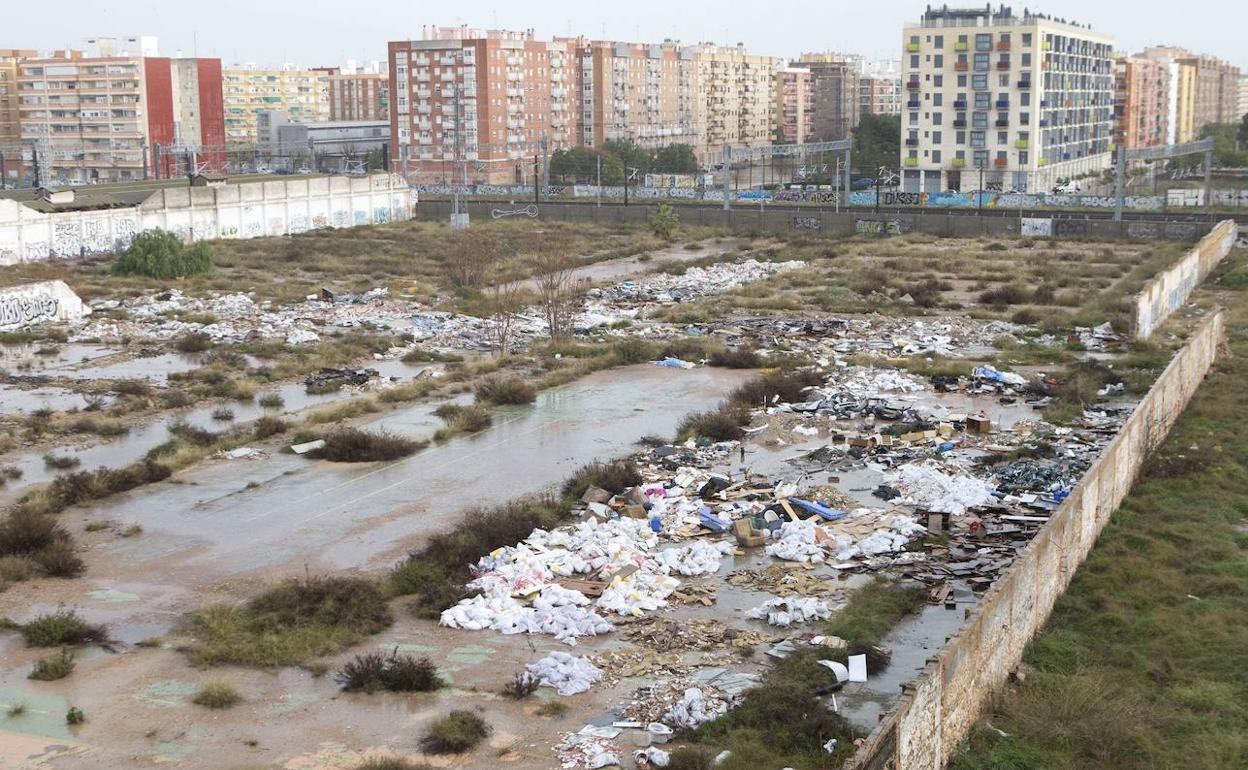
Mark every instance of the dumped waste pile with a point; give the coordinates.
(957, 497)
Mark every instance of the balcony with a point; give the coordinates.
(961, 66)
(1003, 45)
(912, 47)
(959, 104)
(1003, 65)
(1022, 144)
(960, 46)
(913, 104)
(1023, 84)
(1003, 104)
(912, 142)
(959, 162)
(910, 162)
(1002, 123)
(999, 162)
(912, 85)
(959, 124)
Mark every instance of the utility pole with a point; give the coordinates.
(4, 173)
(145, 171)
(34, 155)
(599, 186)
(536, 189)
(979, 194)
(727, 174)
(545, 164)
(849, 172)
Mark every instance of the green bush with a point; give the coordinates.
(61, 627)
(216, 694)
(455, 733)
(161, 254)
(506, 389)
(664, 222)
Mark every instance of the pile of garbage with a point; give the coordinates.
(666, 288)
(785, 612)
(567, 674)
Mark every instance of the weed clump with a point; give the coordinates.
(53, 667)
(776, 386)
(736, 358)
(506, 389)
(83, 486)
(216, 694)
(723, 424)
(63, 627)
(30, 539)
(455, 733)
(393, 672)
(267, 427)
(552, 708)
(192, 342)
(352, 445)
(291, 623)
(615, 477)
(472, 418)
(521, 686)
(390, 763)
(60, 462)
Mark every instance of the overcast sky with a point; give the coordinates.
(327, 32)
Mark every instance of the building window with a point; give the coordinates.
(1026, 60)
(936, 137)
(914, 62)
(938, 60)
(937, 100)
(961, 81)
(940, 41)
(982, 100)
(977, 139)
(981, 158)
(983, 42)
(979, 82)
(1026, 38)
(981, 62)
(935, 156)
(937, 118)
(979, 120)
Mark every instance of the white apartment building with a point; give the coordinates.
(1017, 101)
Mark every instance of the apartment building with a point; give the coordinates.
(1243, 96)
(1217, 90)
(738, 91)
(879, 95)
(248, 90)
(1020, 101)
(1142, 102)
(357, 95)
(643, 93)
(10, 115)
(1203, 90)
(836, 93)
(488, 97)
(795, 105)
(101, 118)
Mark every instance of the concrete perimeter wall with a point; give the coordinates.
(778, 220)
(1169, 289)
(249, 210)
(947, 697)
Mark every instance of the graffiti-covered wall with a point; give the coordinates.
(822, 197)
(1170, 288)
(281, 207)
(36, 302)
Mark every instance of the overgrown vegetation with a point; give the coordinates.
(455, 733)
(392, 672)
(161, 254)
(783, 722)
(470, 418)
(873, 611)
(1141, 663)
(614, 476)
(32, 542)
(521, 686)
(291, 623)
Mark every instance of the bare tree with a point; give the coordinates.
(553, 269)
(502, 306)
(472, 254)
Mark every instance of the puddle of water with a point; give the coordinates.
(335, 516)
(913, 641)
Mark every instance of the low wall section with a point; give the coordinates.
(1169, 289)
(249, 210)
(943, 702)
